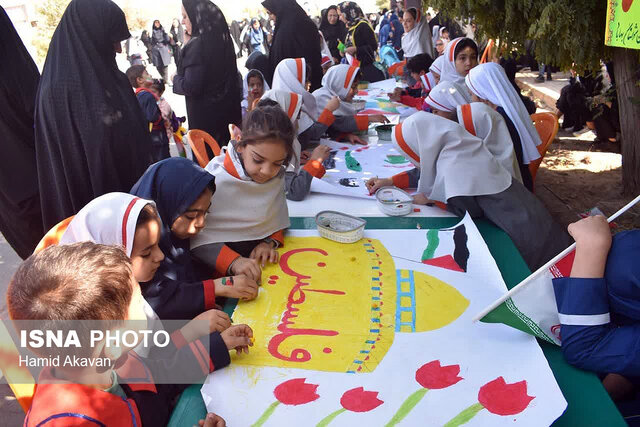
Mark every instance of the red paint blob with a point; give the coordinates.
(273, 277)
(344, 148)
(322, 264)
(327, 350)
(272, 282)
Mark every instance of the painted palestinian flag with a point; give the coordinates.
(533, 309)
(447, 249)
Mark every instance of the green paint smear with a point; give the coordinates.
(325, 421)
(465, 416)
(434, 241)
(396, 160)
(266, 414)
(407, 407)
(351, 162)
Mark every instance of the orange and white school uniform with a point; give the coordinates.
(337, 82)
(244, 213)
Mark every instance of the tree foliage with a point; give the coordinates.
(49, 14)
(565, 31)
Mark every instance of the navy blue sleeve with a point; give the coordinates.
(589, 340)
(149, 107)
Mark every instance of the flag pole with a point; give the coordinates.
(555, 259)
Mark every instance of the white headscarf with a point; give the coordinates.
(291, 103)
(245, 88)
(449, 72)
(109, 220)
(291, 76)
(437, 65)
(489, 81)
(452, 162)
(418, 40)
(337, 82)
(325, 51)
(446, 96)
(428, 81)
(487, 124)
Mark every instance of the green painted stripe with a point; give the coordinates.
(433, 241)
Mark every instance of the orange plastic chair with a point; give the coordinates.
(197, 139)
(397, 69)
(547, 126)
(18, 377)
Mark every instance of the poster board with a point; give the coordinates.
(349, 167)
(335, 346)
(623, 24)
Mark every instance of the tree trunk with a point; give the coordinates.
(626, 67)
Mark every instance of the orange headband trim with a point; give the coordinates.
(299, 69)
(403, 144)
(292, 105)
(452, 51)
(125, 219)
(350, 76)
(467, 118)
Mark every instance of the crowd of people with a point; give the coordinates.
(87, 157)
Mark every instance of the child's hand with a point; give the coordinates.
(321, 153)
(592, 232)
(333, 104)
(396, 95)
(593, 241)
(212, 420)
(240, 287)
(164, 107)
(238, 337)
(355, 139)
(205, 324)
(421, 199)
(247, 266)
(265, 252)
(378, 118)
(374, 184)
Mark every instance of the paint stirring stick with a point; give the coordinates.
(557, 258)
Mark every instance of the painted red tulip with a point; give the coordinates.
(292, 392)
(626, 5)
(501, 398)
(433, 376)
(296, 392)
(355, 400)
(359, 400)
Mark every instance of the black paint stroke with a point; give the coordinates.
(461, 252)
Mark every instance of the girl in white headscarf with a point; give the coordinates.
(253, 87)
(460, 56)
(489, 84)
(124, 220)
(342, 81)
(448, 101)
(456, 168)
(297, 179)
(416, 38)
(436, 68)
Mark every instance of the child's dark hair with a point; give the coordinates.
(158, 85)
(413, 12)
(267, 103)
(133, 73)
(268, 122)
(147, 214)
(463, 44)
(255, 73)
(419, 63)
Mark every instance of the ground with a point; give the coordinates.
(575, 176)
